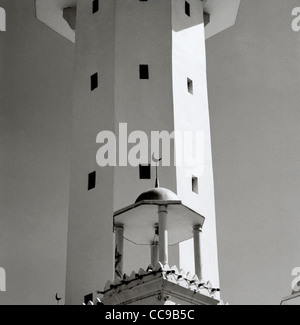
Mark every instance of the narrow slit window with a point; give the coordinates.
(95, 6)
(195, 187)
(92, 181)
(190, 86)
(145, 171)
(187, 9)
(94, 81)
(144, 71)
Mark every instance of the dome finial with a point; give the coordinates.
(157, 183)
(156, 161)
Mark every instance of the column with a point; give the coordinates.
(197, 251)
(154, 253)
(119, 248)
(163, 234)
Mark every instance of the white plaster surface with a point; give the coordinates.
(50, 12)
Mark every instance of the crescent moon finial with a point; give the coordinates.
(57, 298)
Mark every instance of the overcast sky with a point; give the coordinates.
(254, 78)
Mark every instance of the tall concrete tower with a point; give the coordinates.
(143, 63)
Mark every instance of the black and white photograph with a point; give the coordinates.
(149, 155)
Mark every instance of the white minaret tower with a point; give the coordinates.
(143, 63)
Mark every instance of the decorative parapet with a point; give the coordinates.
(158, 285)
(171, 274)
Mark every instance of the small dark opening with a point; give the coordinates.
(94, 81)
(187, 9)
(190, 86)
(195, 185)
(206, 18)
(144, 71)
(92, 181)
(145, 171)
(95, 6)
(88, 298)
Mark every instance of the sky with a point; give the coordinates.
(35, 136)
(253, 82)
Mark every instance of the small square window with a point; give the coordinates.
(145, 171)
(206, 18)
(94, 81)
(95, 6)
(92, 181)
(187, 9)
(144, 71)
(190, 86)
(195, 187)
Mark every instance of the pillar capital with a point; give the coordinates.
(197, 228)
(163, 208)
(118, 227)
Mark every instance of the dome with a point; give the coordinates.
(158, 194)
